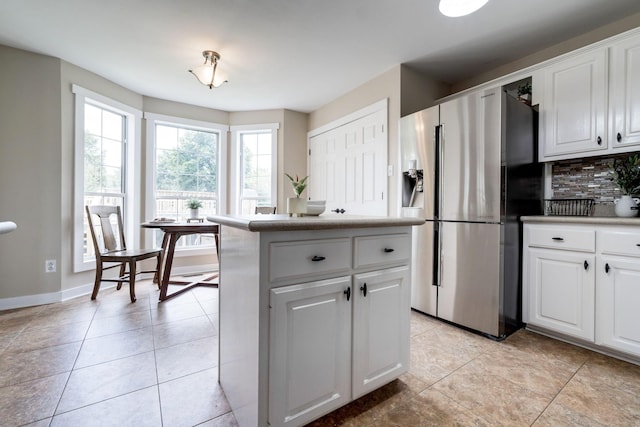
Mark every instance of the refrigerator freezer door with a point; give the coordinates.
(417, 143)
(469, 292)
(470, 158)
(424, 296)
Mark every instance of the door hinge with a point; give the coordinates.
(309, 151)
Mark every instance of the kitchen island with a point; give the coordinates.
(314, 312)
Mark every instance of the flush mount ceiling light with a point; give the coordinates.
(455, 8)
(206, 73)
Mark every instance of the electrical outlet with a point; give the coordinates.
(50, 266)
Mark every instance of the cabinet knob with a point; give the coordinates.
(363, 289)
(586, 265)
(388, 250)
(317, 258)
(599, 140)
(607, 268)
(619, 137)
(347, 292)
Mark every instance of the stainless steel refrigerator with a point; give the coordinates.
(470, 169)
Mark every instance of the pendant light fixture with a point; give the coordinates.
(456, 8)
(206, 73)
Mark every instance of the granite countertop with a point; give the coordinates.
(603, 220)
(283, 222)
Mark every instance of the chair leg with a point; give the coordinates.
(122, 273)
(96, 285)
(132, 280)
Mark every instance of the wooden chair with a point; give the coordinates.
(112, 249)
(265, 209)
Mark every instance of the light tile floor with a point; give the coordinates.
(112, 363)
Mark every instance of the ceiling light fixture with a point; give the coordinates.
(456, 8)
(206, 73)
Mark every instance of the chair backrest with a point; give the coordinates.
(105, 239)
(265, 209)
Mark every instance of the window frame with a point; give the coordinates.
(153, 119)
(132, 177)
(236, 163)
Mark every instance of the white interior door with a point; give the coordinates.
(347, 165)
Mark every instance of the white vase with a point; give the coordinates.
(626, 207)
(296, 206)
(193, 213)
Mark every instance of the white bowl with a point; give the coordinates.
(315, 207)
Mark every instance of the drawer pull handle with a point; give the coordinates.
(599, 141)
(606, 268)
(638, 245)
(338, 210)
(558, 239)
(619, 137)
(363, 288)
(586, 265)
(389, 250)
(347, 292)
(317, 258)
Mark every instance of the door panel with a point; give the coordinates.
(354, 166)
(380, 328)
(310, 350)
(470, 275)
(470, 158)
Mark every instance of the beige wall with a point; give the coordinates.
(37, 157)
(418, 92)
(30, 172)
(586, 39)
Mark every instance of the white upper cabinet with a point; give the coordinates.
(574, 110)
(625, 94)
(590, 102)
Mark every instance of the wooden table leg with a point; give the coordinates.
(168, 261)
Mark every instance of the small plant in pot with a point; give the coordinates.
(193, 205)
(626, 173)
(524, 93)
(297, 205)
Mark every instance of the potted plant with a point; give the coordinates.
(524, 93)
(193, 205)
(626, 173)
(297, 205)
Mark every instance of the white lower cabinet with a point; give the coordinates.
(618, 295)
(583, 281)
(380, 332)
(332, 342)
(310, 350)
(561, 291)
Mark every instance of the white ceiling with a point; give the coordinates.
(295, 54)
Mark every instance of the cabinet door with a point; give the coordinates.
(625, 93)
(618, 296)
(561, 291)
(310, 350)
(574, 109)
(380, 328)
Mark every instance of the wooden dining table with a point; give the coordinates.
(172, 233)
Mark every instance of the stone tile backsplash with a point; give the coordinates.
(590, 177)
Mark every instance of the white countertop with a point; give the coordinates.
(283, 222)
(603, 220)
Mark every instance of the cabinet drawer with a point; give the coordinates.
(564, 238)
(289, 260)
(625, 243)
(375, 250)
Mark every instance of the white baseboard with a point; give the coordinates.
(86, 289)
